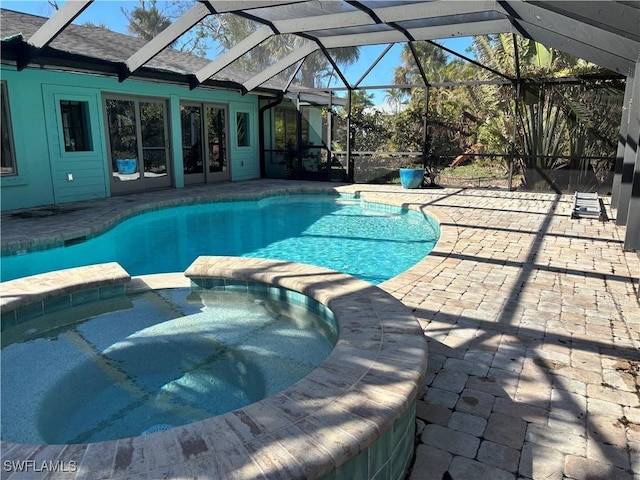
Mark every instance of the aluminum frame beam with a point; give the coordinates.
(324, 22)
(588, 40)
(279, 66)
(422, 33)
(630, 176)
(394, 14)
(229, 6)
(401, 13)
(53, 27)
(372, 66)
(622, 141)
(234, 53)
(629, 200)
(623, 20)
(165, 38)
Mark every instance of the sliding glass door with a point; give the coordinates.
(204, 142)
(137, 144)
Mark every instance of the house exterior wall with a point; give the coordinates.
(47, 174)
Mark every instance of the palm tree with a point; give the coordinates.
(145, 20)
(361, 99)
(226, 30)
(443, 110)
(317, 67)
(395, 97)
(432, 59)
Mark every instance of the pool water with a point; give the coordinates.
(160, 359)
(370, 242)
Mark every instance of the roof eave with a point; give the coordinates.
(48, 58)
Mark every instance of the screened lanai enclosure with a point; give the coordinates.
(548, 136)
(542, 94)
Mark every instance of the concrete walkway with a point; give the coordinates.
(532, 321)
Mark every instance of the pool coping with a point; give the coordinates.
(370, 380)
(39, 289)
(106, 213)
(113, 210)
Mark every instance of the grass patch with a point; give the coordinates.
(475, 170)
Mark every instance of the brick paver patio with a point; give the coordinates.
(532, 320)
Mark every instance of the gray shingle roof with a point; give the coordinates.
(105, 45)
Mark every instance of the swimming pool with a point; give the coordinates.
(369, 241)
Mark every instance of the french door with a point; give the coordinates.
(138, 144)
(204, 142)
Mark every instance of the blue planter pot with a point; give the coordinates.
(126, 165)
(411, 177)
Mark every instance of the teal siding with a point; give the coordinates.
(88, 169)
(245, 161)
(44, 166)
(33, 183)
(176, 139)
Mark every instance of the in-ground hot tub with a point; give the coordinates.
(156, 359)
(351, 417)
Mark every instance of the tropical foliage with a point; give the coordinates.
(146, 20)
(222, 32)
(558, 126)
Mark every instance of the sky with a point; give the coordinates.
(109, 12)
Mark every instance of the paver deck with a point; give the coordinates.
(532, 319)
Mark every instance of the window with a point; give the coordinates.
(243, 128)
(75, 126)
(286, 131)
(8, 158)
